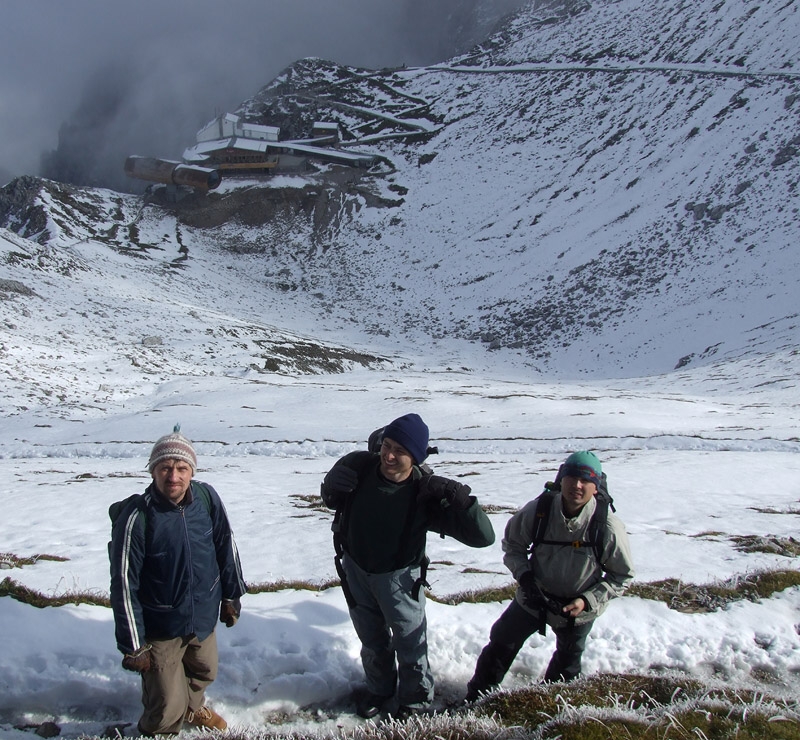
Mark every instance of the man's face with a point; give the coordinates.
(172, 477)
(396, 461)
(576, 493)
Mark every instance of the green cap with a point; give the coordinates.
(584, 465)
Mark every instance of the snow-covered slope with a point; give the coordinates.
(600, 189)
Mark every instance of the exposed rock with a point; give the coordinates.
(48, 729)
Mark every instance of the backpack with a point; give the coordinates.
(597, 525)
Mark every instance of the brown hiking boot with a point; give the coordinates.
(205, 717)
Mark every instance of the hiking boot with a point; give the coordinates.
(473, 693)
(405, 712)
(369, 704)
(205, 717)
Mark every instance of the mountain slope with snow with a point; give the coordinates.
(601, 198)
(581, 235)
(599, 189)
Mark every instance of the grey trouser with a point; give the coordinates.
(391, 623)
(183, 668)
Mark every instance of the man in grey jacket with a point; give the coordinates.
(562, 580)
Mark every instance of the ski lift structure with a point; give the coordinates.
(229, 146)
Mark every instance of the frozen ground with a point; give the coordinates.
(692, 460)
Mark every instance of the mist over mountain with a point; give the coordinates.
(147, 76)
(594, 190)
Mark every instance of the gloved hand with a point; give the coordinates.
(229, 611)
(444, 491)
(339, 481)
(527, 583)
(534, 595)
(138, 661)
(534, 598)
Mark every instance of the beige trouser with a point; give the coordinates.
(183, 668)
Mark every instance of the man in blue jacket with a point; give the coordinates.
(174, 570)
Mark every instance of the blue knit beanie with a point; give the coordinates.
(411, 432)
(584, 465)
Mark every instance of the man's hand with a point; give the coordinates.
(139, 660)
(339, 481)
(575, 607)
(445, 492)
(229, 611)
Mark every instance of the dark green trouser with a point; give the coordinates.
(508, 635)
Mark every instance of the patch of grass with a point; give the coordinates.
(493, 509)
(14, 589)
(601, 707)
(683, 597)
(787, 546)
(690, 598)
(652, 707)
(772, 510)
(9, 560)
(479, 596)
(482, 571)
(731, 722)
(439, 727)
(310, 501)
(297, 585)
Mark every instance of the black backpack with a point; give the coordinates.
(597, 525)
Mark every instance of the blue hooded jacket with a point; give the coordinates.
(171, 566)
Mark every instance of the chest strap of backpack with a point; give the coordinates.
(595, 530)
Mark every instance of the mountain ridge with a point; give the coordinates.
(593, 216)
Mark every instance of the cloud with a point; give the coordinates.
(142, 76)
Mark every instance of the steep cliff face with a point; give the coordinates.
(325, 202)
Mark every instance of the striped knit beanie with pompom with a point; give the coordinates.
(173, 447)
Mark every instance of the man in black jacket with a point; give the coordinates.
(174, 570)
(385, 507)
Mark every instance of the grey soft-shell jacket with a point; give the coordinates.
(565, 571)
(171, 566)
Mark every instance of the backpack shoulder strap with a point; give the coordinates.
(597, 525)
(544, 504)
(118, 508)
(596, 532)
(201, 489)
